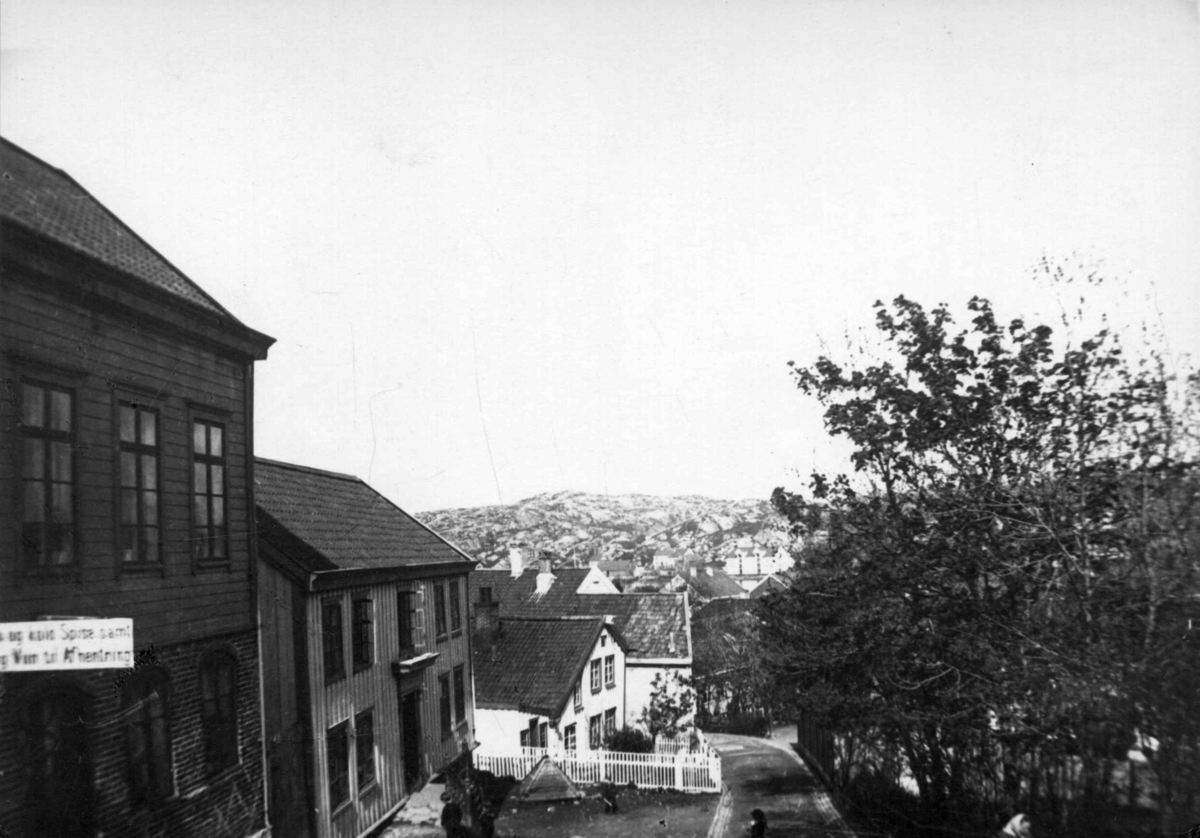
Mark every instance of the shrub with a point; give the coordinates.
(749, 724)
(629, 740)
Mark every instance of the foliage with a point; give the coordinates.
(629, 740)
(727, 666)
(671, 702)
(1007, 586)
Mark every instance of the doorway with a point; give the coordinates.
(410, 727)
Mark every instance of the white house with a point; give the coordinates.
(547, 682)
(655, 626)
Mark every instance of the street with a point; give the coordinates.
(767, 774)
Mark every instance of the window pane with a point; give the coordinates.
(149, 434)
(149, 471)
(33, 463)
(60, 410)
(150, 544)
(149, 507)
(60, 461)
(218, 512)
(33, 405)
(128, 418)
(218, 543)
(216, 442)
(200, 510)
(60, 504)
(35, 501)
(128, 469)
(60, 548)
(199, 438)
(217, 486)
(200, 476)
(129, 506)
(129, 545)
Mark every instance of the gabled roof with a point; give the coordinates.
(769, 584)
(709, 583)
(324, 521)
(534, 663)
(48, 202)
(655, 625)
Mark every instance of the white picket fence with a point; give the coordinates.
(688, 772)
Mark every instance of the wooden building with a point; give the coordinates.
(367, 682)
(126, 472)
(547, 682)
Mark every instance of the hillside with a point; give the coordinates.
(582, 526)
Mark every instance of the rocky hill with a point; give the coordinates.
(581, 526)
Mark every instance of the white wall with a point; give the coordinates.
(639, 684)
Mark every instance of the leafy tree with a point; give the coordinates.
(1004, 594)
(671, 703)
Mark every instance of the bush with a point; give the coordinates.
(749, 724)
(629, 740)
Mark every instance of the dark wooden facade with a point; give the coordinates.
(100, 508)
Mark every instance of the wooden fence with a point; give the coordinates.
(688, 772)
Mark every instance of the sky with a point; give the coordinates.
(516, 247)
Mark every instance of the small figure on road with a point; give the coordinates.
(608, 793)
(452, 817)
(758, 824)
(487, 822)
(1018, 827)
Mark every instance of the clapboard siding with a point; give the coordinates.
(379, 688)
(106, 358)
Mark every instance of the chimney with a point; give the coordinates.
(487, 620)
(544, 564)
(516, 559)
(545, 577)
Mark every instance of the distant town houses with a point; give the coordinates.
(126, 432)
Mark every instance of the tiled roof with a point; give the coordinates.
(49, 202)
(716, 584)
(327, 521)
(655, 625)
(533, 664)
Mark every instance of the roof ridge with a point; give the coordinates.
(311, 470)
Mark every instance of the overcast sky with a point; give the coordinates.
(513, 247)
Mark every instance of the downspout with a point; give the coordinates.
(253, 530)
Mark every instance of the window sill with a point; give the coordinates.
(610, 685)
(457, 633)
(595, 691)
(441, 638)
(334, 679)
(362, 667)
(372, 788)
(142, 568)
(340, 809)
(211, 565)
(52, 573)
